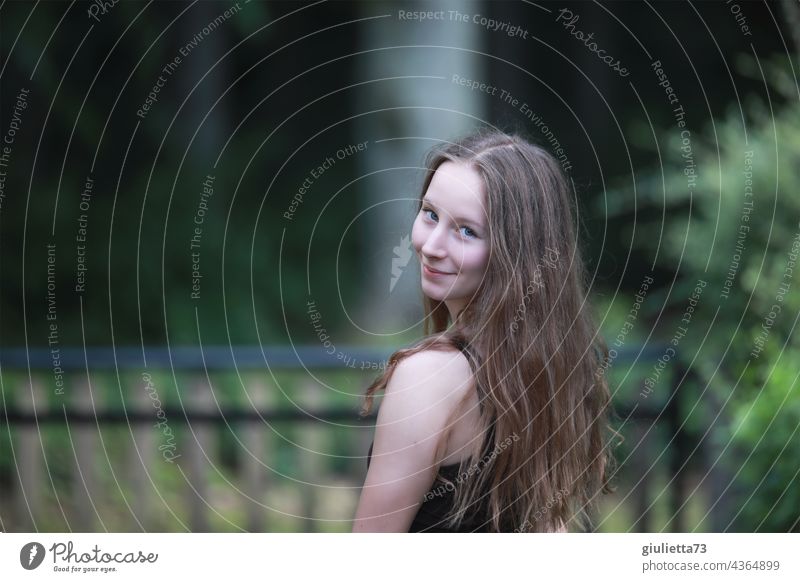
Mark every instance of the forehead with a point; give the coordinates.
(458, 189)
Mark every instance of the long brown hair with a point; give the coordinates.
(532, 345)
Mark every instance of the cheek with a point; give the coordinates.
(476, 259)
(418, 235)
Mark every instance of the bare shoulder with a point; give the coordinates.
(437, 372)
(413, 416)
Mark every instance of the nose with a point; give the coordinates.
(435, 243)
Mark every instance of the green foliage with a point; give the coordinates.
(693, 231)
(765, 431)
(708, 230)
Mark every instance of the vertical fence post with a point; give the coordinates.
(255, 435)
(140, 464)
(84, 440)
(200, 399)
(27, 493)
(310, 398)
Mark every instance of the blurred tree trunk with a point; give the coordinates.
(412, 120)
(200, 61)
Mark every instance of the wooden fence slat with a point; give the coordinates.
(311, 398)
(143, 397)
(85, 492)
(197, 447)
(256, 436)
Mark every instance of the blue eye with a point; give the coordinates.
(469, 233)
(429, 210)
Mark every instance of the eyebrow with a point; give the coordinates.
(426, 200)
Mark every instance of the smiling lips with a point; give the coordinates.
(432, 272)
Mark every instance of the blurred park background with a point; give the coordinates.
(204, 255)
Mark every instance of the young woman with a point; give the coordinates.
(497, 419)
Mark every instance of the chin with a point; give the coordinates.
(439, 295)
(434, 295)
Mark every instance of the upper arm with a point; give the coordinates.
(420, 396)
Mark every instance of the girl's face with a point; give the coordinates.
(450, 235)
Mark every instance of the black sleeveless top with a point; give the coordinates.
(437, 503)
(439, 500)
